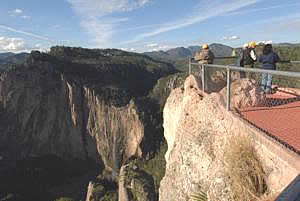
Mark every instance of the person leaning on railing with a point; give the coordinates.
(268, 60)
(205, 56)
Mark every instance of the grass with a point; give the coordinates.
(244, 169)
(201, 196)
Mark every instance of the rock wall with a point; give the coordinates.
(198, 130)
(78, 110)
(52, 115)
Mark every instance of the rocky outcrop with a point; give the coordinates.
(199, 130)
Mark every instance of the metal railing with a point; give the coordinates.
(291, 192)
(230, 68)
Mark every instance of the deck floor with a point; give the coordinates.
(279, 117)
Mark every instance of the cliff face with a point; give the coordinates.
(83, 108)
(200, 135)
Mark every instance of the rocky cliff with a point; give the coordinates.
(76, 103)
(213, 152)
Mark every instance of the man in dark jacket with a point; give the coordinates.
(268, 60)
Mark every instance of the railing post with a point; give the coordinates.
(228, 88)
(190, 66)
(203, 77)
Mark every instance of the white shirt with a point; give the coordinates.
(252, 54)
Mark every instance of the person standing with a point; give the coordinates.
(249, 57)
(205, 56)
(268, 60)
(241, 59)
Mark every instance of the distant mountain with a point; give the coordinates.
(9, 58)
(181, 52)
(286, 44)
(221, 50)
(178, 56)
(6, 54)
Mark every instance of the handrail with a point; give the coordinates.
(291, 192)
(256, 70)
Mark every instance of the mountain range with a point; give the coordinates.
(219, 50)
(9, 58)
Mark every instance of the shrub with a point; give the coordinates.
(244, 169)
(201, 196)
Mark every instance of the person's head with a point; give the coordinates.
(267, 49)
(205, 46)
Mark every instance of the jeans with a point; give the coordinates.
(266, 82)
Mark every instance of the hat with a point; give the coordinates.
(205, 46)
(252, 44)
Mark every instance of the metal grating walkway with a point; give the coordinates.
(279, 118)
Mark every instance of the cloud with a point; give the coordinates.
(202, 12)
(231, 38)
(94, 16)
(25, 33)
(17, 45)
(262, 9)
(11, 44)
(18, 11)
(25, 17)
(160, 47)
(128, 49)
(152, 45)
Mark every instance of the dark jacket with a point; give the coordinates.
(269, 60)
(246, 58)
(205, 55)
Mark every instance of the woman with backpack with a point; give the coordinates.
(268, 60)
(248, 58)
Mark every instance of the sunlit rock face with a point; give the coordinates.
(198, 130)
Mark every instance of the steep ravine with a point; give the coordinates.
(83, 109)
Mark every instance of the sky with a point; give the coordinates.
(145, 25)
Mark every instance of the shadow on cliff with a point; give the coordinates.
(42, 178)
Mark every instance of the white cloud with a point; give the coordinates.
(263, 9)
(93, 14)
(160, 47)
(25, 33)
(202, 12)
(25, 17)
(152, 45)
(231, 38)
(11, 44)
(17, 45)
(128, 49)
(18, 11)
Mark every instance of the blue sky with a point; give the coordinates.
(145, 25)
